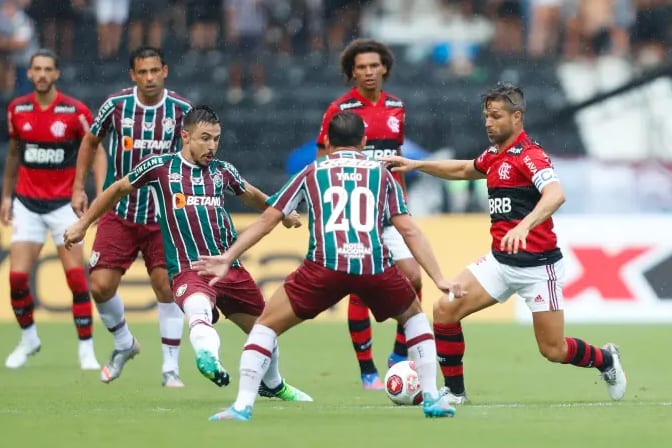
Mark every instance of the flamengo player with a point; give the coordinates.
(524, 192)
(190, 187)
(45, 128)
(349, 197)
(369, 63)
(141, 121)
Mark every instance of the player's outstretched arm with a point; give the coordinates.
(423, 253)
(85, 158)
(9, 181)
(255, 198)
(445, 169)
(218, 265)
(76, 232)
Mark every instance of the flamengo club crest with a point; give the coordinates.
(504, 170)
(57, 129)
(393, 124)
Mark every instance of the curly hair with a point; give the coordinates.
(360, 46)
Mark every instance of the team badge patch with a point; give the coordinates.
(393, 124)
(168, 124)
(181, 290)
(93, 259)
(58, 129)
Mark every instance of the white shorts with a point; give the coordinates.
(32, 227)
(112, 11)
(395, 242)
(539, 286)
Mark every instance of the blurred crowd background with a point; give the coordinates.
(596, 73)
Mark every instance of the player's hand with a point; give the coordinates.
(216, 266)
(514, 240)
(399, 164)
(452, 289)
(74, 234)
(79, 202)
(6, 211)
(292, 220)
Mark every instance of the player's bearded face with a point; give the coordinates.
(498, 122)
(43, 74)
(203, 140)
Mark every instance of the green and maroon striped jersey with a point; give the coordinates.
(349, 196)
(137, 131)
(190, 201)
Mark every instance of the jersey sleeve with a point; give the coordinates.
(394, 197)
(103, 121)
(85, 119)
(326, 118)
(537, 166)
(11, 127)
(235, 184)
(291, 194)
(482, 162)
(145, 171)
(402, 129)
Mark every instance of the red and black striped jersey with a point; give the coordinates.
(515, 177)
(48, 140)
(384, 122)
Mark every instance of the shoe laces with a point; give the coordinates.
(609, 375)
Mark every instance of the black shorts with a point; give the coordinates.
(50, 9)
(204, 11)
(146, 10)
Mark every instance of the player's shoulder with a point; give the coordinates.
(69, 105)
(23, 103)
(347, 101)
(393, 101)
(525, 146)
(186, 104)
(224, 165)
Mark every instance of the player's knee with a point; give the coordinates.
(102, 289)
(445, 311)
(553, 352)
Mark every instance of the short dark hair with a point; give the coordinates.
(143, 53)
(345, 129)
(359, 46)
(200, 114)
(508, 93)
(44, 52)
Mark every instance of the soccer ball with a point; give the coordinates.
(402, 384)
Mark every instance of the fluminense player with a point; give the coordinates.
(45, 129)
(349, 198)
(141, 121)
(524, 192)
(189, 187)
(368, 63)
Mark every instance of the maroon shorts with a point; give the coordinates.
(235, 293)
(118, 243)
(313, 288)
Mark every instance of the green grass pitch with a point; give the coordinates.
(518, 399)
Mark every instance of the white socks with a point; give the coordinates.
(254, 363)
(171, 323)
(272, 378)
(112, 315)
(422, 351)
(202, 335)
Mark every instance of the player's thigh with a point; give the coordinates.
(149, 240)
(243, 321)
(484, 285)
(388, 295)
(27, 226)
(58, 221)
(187, 283)
(115, 245)
(312, 289)
(539, 286)
(279, 315)
(238, 294)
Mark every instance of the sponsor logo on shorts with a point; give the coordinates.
(93, 259)
(181, 290)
